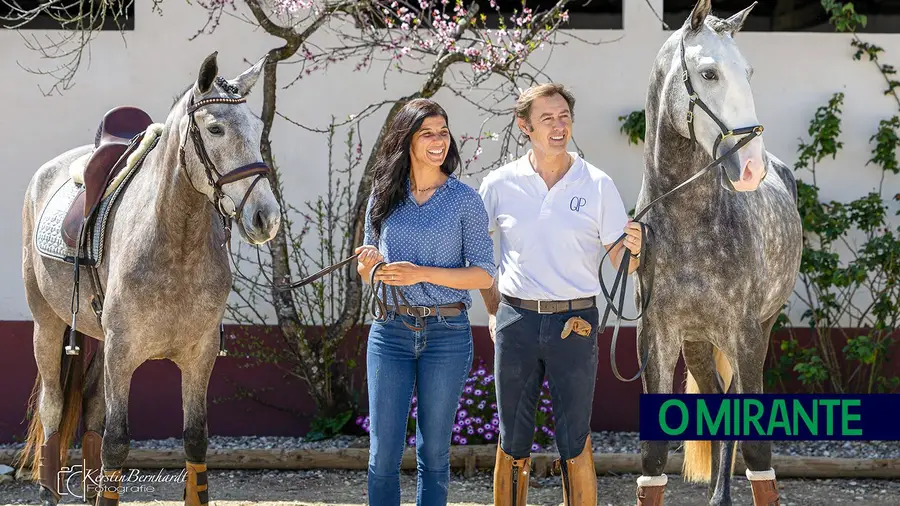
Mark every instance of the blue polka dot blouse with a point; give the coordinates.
(449, 230)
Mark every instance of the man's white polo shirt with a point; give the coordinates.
(552, 241)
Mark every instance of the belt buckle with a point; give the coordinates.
(426, 308)
(539, 308)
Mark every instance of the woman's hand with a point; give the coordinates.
(368, 256)
(400, 274)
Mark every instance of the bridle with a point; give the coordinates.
(748, 133)
(258, 169)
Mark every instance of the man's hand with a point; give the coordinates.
(400, 274)
(368, 256)
(492, 326)
(634, 236)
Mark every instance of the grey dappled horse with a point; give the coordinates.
(727, 246)
(165, 274)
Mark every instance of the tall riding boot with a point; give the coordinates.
(510, 479)
(90, 454)
(196, 488)
(110, 483)
(579, 478)
(650, 490)
(765, 490)
(50, 467)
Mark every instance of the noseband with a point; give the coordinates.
(258, 169)
(748, 133)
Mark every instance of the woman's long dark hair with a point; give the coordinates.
(392, 165)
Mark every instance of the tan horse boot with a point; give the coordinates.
(650, 490)
(90, 455)
(50, 466)
(579, 478)
(510, 479)
(110, 482)
(196, 488)
(765, 490)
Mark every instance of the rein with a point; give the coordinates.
(749, 134)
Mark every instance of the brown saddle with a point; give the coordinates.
(120, 132)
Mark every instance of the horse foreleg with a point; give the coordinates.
(117, 374)
(709, 461)
(93, 414)
(658, 378)
(195, 374)
(757, 454)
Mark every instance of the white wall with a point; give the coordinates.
(795, 73)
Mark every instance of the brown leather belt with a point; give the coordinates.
(425, 311)
(551, 306)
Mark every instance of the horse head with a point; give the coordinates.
(220, 150)
(709, 99)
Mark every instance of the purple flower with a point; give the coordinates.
(455, 438)
(462, 413)
(470, 402)
(457, 428)
(480, 430)
(467, 421)
(543, 409)
(495, 421)
(488, 436)
(468, 390)
(478, 392)
(470, 430)
(481, 405)
(411, 441)
(478, 419)
(480, 372)
(493, 405)
(535, 447)
(462, 440)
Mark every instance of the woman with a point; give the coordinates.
(431, 230)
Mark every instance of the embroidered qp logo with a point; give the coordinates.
(577, 203)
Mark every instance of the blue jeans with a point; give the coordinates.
(436, 362)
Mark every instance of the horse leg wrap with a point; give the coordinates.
(196, 488)
(90, 454)
(510, 479)
(110, 482)
(50, 465)
(650, 490)
(579, 478)
(765, 489)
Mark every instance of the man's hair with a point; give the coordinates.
(523, 103)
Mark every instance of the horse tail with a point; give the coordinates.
(697, 464)
(71, 376)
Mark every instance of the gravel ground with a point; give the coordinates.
(345, 488)
(604, 442)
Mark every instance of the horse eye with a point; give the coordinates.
(216, 129)
(709, 75)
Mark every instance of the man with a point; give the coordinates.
(557, 215)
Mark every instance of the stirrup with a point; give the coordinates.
(222, 351)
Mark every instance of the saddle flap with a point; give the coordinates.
(71, 225)
(99, 169)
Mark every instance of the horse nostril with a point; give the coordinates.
(258, 220)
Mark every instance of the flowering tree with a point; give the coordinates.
(447, 45)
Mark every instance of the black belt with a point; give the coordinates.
(551, 306)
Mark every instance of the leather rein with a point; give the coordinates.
(621, 280)
(748, 133)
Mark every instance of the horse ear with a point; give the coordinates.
(736, 22)
(208, 71)
(698, 15)
(245, 81)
